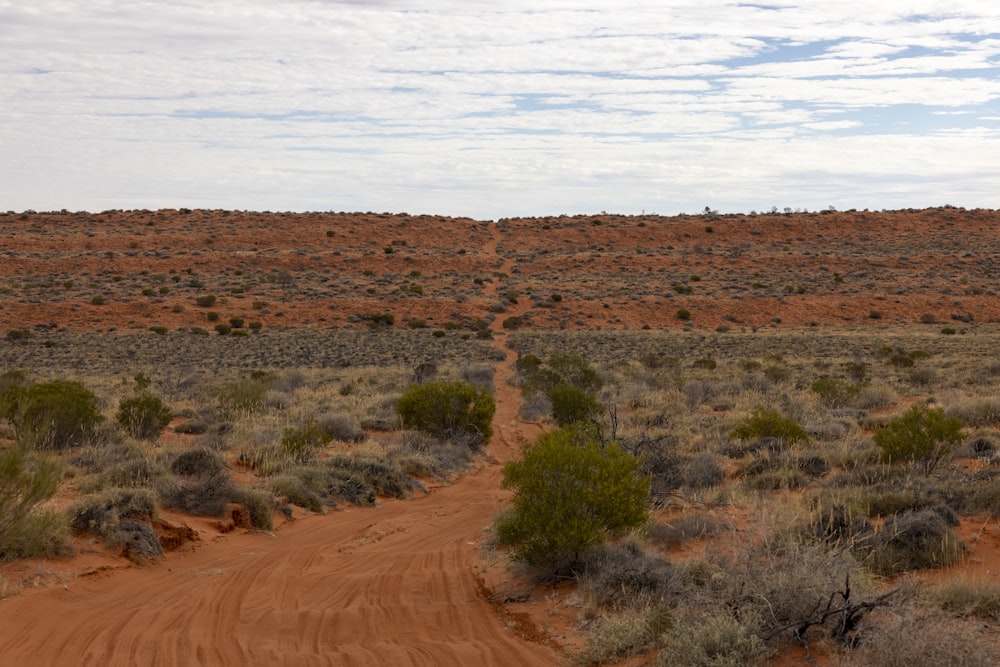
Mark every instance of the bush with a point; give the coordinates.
(51, 415)
(576, 372)
(966, 597)
(716, 640)
(342, 427)
(302, 442)
(200, 495)
(295, 491)
(767, 423)
(143, 416)
(247, 395)
(206, 300)
(25, 530)
(914, 540)
(570, 492)
(199, 461)
(449, 409)
(571, 405)
(259, 505)
(922, 434)
(834, 393)
(566, 369)
(101, 515)
(620, 635)
(384, 478)
(624, 574)
(921, 638)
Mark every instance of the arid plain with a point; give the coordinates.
(332, 298)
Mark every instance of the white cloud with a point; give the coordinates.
(490, 109)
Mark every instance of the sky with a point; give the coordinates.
(499, 109)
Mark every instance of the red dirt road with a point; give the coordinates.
(396, 585)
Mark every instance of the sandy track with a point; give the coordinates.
(396, 585)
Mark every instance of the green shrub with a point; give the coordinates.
(767, 423)
(50, 415)
(571, 405)
(921, 435)
(206, 300)
(143, 416)
(449, 409)
(575, 371)
(382, 319)
(570, 492)
(683, 314)
(27, 531)
(559, 369)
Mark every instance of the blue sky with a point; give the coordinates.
(498, 109)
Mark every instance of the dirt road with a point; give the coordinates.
(396, 585)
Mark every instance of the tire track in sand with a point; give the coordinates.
(395, 585)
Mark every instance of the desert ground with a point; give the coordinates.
(352, 304)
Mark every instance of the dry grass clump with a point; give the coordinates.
(963, 597)
(976, 412)
(200, 494)
(716, 640)
(421, 455)
(621, 634)
(915, 636)
(627, 574)
(914, 540)
(687, 526)
(294, 490)
(121, 517)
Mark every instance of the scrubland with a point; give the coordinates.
(812, 399)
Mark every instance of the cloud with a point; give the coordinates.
(493, 109)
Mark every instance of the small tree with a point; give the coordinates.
(921, 434)
(571, 405)
(570, 492)
(449, 409)
(50, 415)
